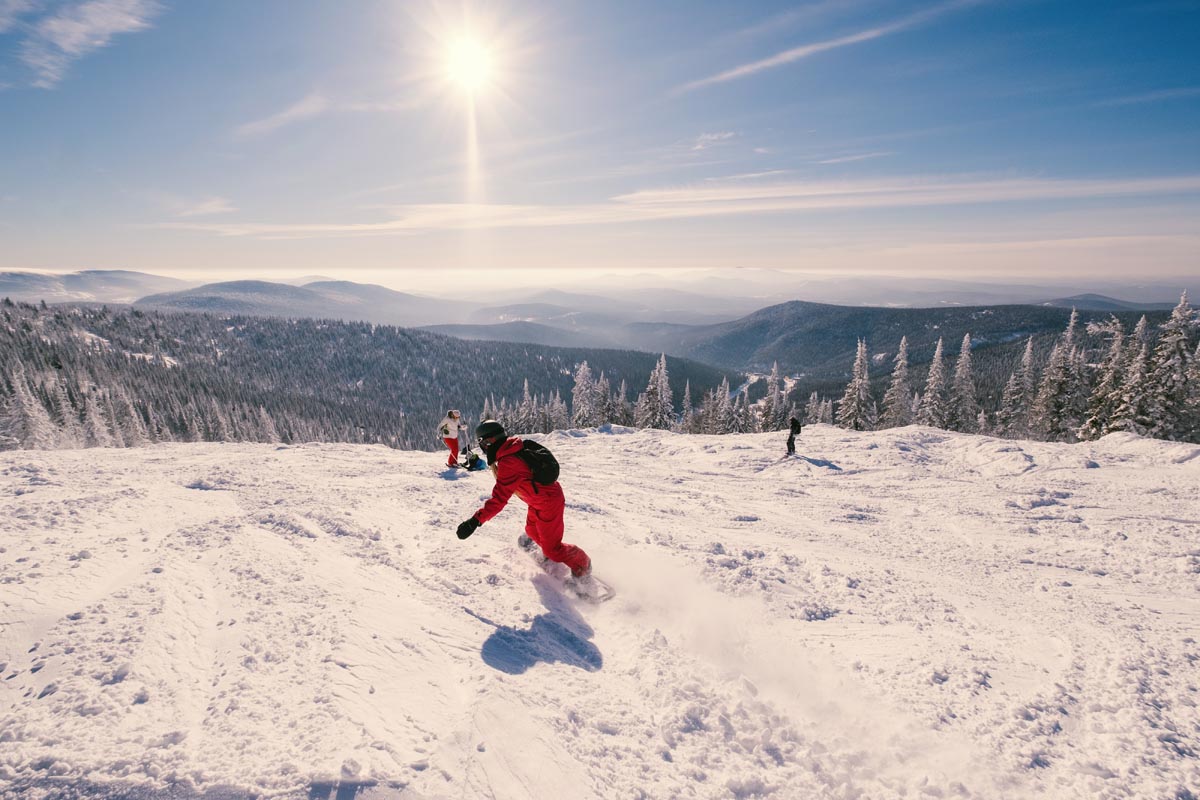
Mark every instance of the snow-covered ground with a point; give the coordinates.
(908, 613)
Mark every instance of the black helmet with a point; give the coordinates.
(489, 430)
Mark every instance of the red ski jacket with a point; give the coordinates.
(513, 476)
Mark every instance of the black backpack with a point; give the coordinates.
(541, 461)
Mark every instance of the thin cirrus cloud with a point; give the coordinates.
(805, 51)
(54, 41)
(1158, 96)
(13, 10)
(310, 106)
(710, 199)
(208, 207)
(848, 159)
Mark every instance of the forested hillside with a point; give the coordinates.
(76, 376)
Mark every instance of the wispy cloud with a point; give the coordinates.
(1158, 96)
(847, 159)
(59, 39)
(707, 140)
(207, 207)
(312, 105)
(714, 199)
(12, 10)
(807, 50)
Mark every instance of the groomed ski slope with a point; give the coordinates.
(907, 613)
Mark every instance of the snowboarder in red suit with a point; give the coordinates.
(544, 520)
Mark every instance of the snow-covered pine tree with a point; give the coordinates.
(1061, 397)
(24, 422)
(812, 410)
(622, 411)
(1132, 413)
(897, 402)
(742, 414)
(1102, 404)
(723, 421)
(934, 411)
(1012, 418)
(560, 417)
(964, 405)
(68, 418)
(266, 426)
(666, 398)
(687, 417)
(774, 416)
(706, 414)
(826, 411)
(655, 408)
(1170, 371)
(133, 427)
(854, 410)
(1194, 400)
(605, 407)
(525, 416)
(583, 398)
(1048, 419)
(96, 430)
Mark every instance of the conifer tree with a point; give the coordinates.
(687, 418)
(24, 421)
(934, 411)
(68, 418)
(964, 405)
(655, 408)
(1016, 403)
(606, 410)
(897, 402)
(1170, 371)
(583, 398)
(854, 411)
(1132, 413)
(723, 422)
(812, 411)
(1102, 404)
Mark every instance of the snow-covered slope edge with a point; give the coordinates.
(901, 613)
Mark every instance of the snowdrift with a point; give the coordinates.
(907, 613)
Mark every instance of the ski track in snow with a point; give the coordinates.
(906, 613)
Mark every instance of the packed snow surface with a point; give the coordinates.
(907, 613)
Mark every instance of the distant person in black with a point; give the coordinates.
(795, 423)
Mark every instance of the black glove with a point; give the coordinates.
(465, 529)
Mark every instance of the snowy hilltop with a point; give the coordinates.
(898, 613)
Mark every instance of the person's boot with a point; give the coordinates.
(580, 573)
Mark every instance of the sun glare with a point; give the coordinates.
(469, 65)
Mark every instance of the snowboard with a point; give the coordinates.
(590, 589)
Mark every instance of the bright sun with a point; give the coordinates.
(469, 64)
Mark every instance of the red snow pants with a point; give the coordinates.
(544, 524)
(453, 445)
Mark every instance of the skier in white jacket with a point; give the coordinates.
(448, 429)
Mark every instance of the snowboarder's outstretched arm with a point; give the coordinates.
(506, 484)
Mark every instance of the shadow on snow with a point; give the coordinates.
(560, 635)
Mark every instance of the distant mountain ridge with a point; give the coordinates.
(86, 286)
(1099, 302)
(343, 300)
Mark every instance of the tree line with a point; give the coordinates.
(1145, 381)
(77, 376)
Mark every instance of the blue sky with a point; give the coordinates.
(964, 138)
